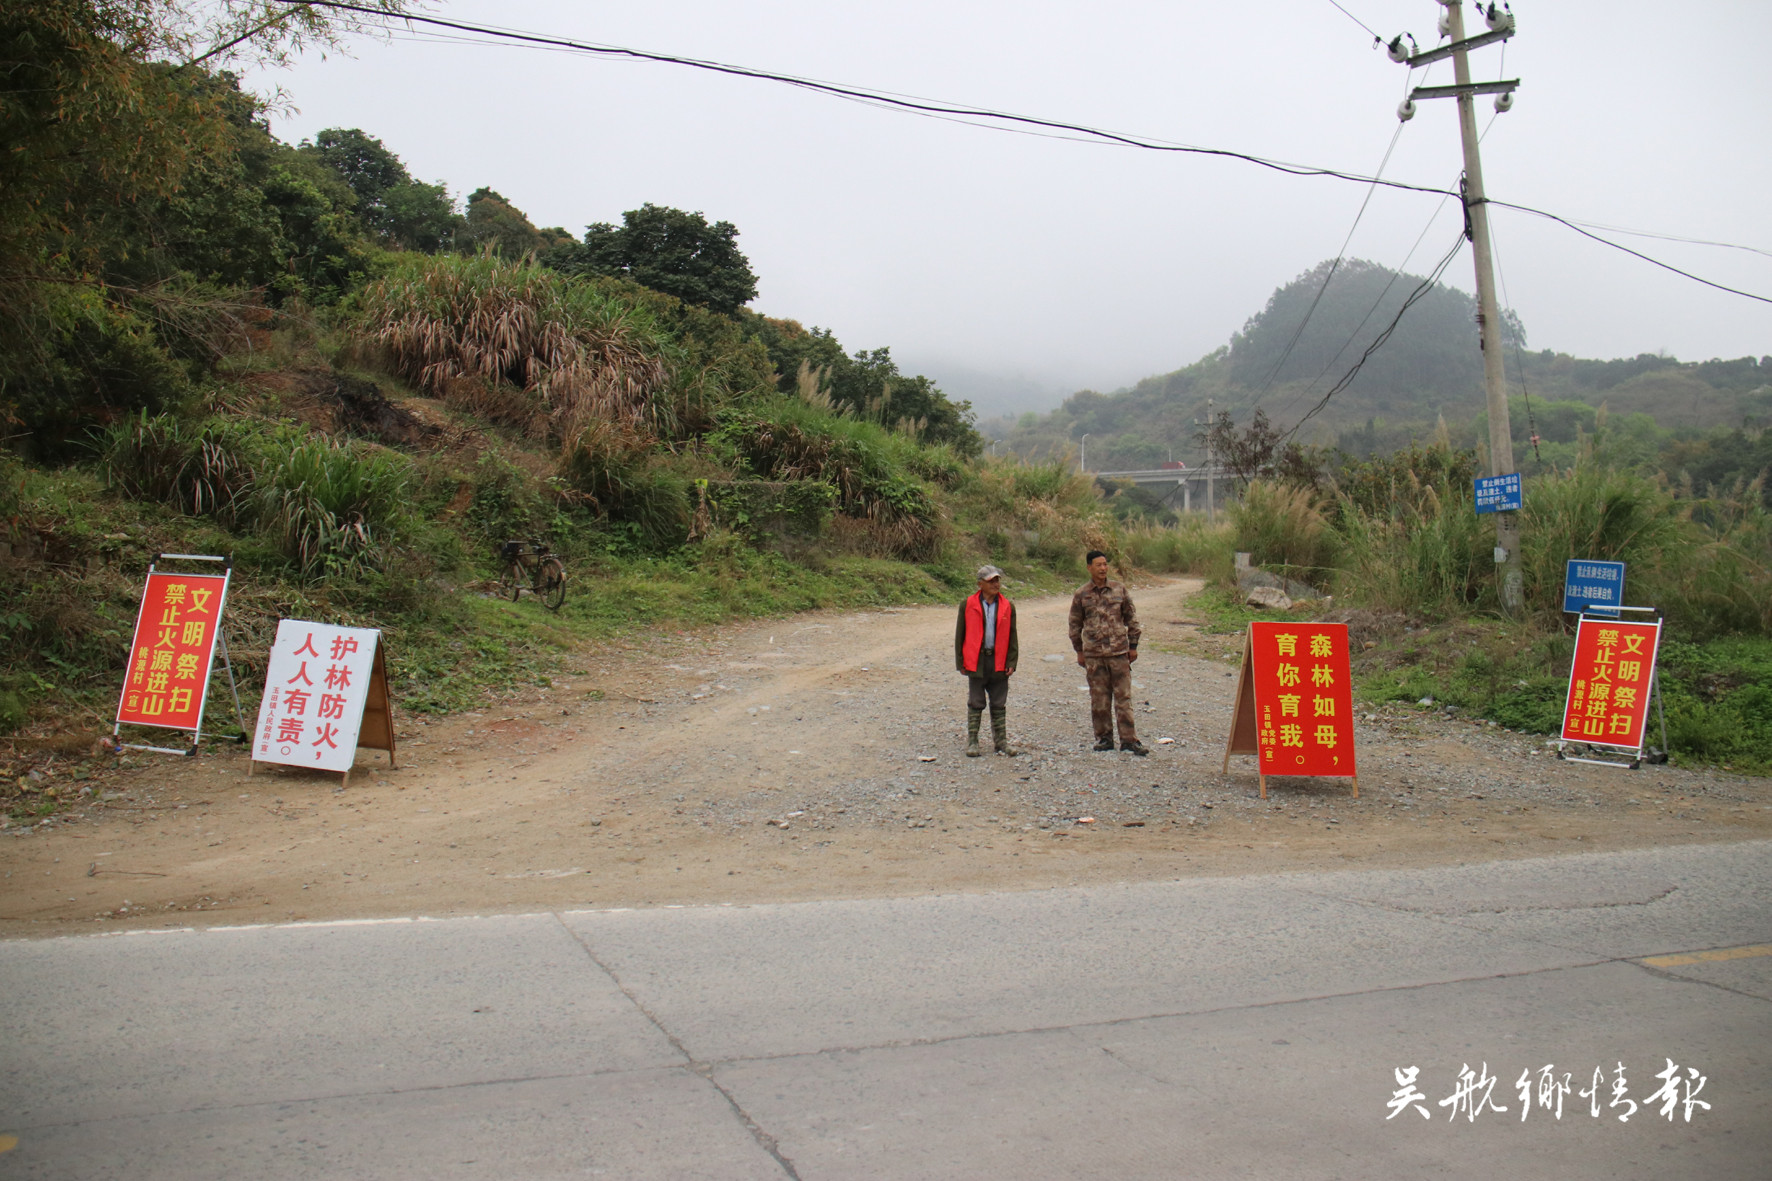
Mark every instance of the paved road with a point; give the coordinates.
(1245, 1027)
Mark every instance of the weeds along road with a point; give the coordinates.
(819, 757)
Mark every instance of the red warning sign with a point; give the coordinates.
(1609, 683)
(1295, 702)
(169, 659)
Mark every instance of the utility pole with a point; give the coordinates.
(1083, 455)
(1476, 214)
(1211, 469)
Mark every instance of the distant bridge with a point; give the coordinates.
(1181, 484)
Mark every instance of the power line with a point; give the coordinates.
(1375, 37)
(1286, 353)
(911, 103)
(1670, 237)
(1666, 266)
(1425, 286)
(996, 119)
(1514, 339)
(1396, 274)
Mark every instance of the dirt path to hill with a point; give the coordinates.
(816, 757)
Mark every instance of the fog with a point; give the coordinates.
(1016, 267)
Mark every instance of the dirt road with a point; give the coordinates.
(816, 757)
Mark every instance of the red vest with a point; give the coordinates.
(975, 633)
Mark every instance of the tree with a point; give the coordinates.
(671, 251)
(129, 188)
(422, 217)
(365, 164)
(1258, 450)
(391, 205)
(867, 385)
(496, 224)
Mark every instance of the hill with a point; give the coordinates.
(1315, 329)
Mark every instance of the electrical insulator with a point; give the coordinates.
(1504, 102)
(1499, 19)
(1406, 110)
(1395, 49)
(1445, 25)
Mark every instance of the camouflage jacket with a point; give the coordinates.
(1103, 621)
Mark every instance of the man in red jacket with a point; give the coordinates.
(985, 649)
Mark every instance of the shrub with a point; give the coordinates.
(753, 508)
(91, 363)
(506, 502)
(785, 439)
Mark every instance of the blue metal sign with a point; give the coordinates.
(1594, 587)
(1499, 494)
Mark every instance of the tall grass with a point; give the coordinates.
(1430, 554)
(1599, 514)
(1283, 526)
(333, 508)
(329, 507)
(200, 468)
(1191, 546)
(586, 356)
(1706, 563)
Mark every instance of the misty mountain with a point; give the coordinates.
(1317, 329)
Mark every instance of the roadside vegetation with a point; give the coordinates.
(1394, 539)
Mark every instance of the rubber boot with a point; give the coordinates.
(973, 716)
(1000, 732)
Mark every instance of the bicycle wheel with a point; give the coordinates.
(550, 584)
(511, 582)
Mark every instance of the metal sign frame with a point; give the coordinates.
(221, 639)
(1642, 752)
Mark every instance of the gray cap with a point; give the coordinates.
(986, 573)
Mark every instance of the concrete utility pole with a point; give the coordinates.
(1476, 213)
(1083, 454)
(1211, 471)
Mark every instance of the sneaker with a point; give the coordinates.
(1104, 744)
(1136, 747)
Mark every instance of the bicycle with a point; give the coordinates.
(532, 563)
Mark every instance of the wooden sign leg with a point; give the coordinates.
(1356, 783)
(1263, 775)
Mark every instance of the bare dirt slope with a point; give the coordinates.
(816, 757)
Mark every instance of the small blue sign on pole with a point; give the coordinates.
(1594, 587)
(1499, 494)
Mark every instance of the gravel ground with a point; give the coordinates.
(813, 757)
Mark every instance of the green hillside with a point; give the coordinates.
(361, 387)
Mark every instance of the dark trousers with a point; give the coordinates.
(992, 684)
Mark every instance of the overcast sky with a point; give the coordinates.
(977, 254)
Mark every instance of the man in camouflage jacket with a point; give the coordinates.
(1104, 633)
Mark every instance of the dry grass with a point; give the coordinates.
(478, 330)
